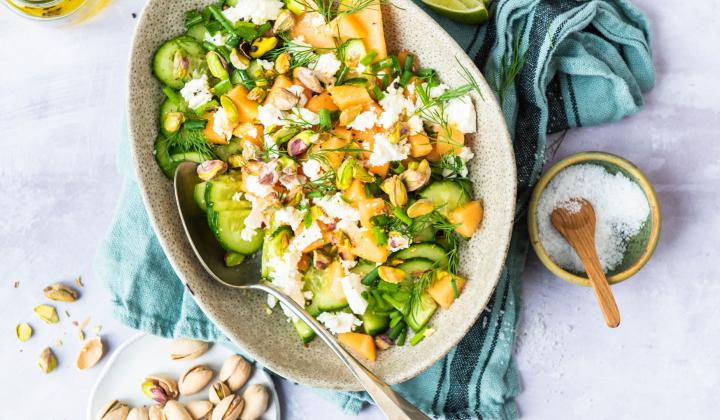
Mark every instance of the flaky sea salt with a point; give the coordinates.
(621, 210)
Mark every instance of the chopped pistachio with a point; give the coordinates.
(23, 331)
(47, 313)
(81, 335)
(60, 292)
(47, 361)
(79, 282)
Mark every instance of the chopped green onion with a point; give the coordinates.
(395, 332)
(241, 77)
(355, 81)
(398, 168)
(400, 214)
(222, 87)
(395, 321)
(232, 41)
(370, 277)
(379, 220)
(209, 46)
(194, 124)
(213, 27)
(395, 314)
(192, 17)
(174, 97)
(217, 14)
(378, 93)
(341, 74)
(224, 52)
(418, 337)
(382, 64)
(426, 73)
(401, 338)
(405, 78)
(395, 65)
(325, 120)
(380, 235)
(206, 107)
(408, 64)
(368, 58)
(454, 287)
(307, 219)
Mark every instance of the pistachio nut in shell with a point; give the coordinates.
(256, 398)
(283, 22)
(113, 410)
(307, 77)
(155, 412)
(187, 349)
(60, 292)
(420, 207)
(194, 379)
(90, 353)
(47, 313)
(139, 413)
(200, 409)
(23, 331)
(211, 168)
(396, 191)
(218, 391)
(160, 389)
(229, 408)
(47, 361)
(173, 410)
(235, 372)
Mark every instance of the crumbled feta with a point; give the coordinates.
(285, 276)
(236, 196)
(253, 186)
(350, 227)
(255, 219)
(461, 112)
(464, 155)
(308, 295)
(312, 169)
(196, 92)
(394, 104)
(384, 151)
(217, 39)
(221, 124)
(438, 90)
(289, 216)
(267, 65)
(364, 121)
(271, 301)
(326, 66)
(302, 116)
(298, 91)
(335, 207)
(347, 265)
(339, 322)
(256, 11)
(307, 237)
(416, 125)
(252, 132)
(269, 116)
(353, 288)
(397, 241)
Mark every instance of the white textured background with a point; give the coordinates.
(61, 110)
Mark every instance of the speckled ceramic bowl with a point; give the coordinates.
(269, 338)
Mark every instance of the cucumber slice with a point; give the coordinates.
(199, 195)
(431, 252)
(255, 70)
(162, 156)
(170, 52)
(197, 32)
(363, 268)
(233, 259)
(323, 297)
(415, 267)
(167, 107)
(354, 51)
(421, 310)
(228, 226)
(374, 324)
(275, 245)
(220, 191)
(426, 234)
(233, 147)
(306, 333)
(445, 195)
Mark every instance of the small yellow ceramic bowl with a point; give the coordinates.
(639, 248)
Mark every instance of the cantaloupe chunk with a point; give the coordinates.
(321, 101)
(247, 109)
(442, 290)
(420, 145)
(281, 82)
(250, 132)
(367, 24)
(467, 217)
(365, 246)
(369, 208)
(361, 344)
(210, 134)
(355, 193)
(346, 96)
(317, 36)
(334, 158)
(445, 144)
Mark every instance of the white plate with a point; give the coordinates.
(145, 355)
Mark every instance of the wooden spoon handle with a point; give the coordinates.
(585, 248)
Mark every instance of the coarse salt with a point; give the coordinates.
(621, 210)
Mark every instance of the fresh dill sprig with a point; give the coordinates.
(469, 79)
(450, 165)
(331, 9)
(302, 54)
(510, 67)
(187, 140)
(321, 186)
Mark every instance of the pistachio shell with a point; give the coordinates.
(156, 413)
(235, 372)
(172, 121)
(159, 388)
(257, 94)
(47, 313)
(216, 65)
(139, 413)
(61, 292)
(91, 352)
(200, 409)
(113, 410)
(230, 109)
(308, 78)
(284, 22)
(187, 349)
(210, 169)
(283, 99)
(238, 59)
(23, 331)
(218, 391)
(256, 398)
(47, 361)
(396, 191)
(194, 379)
(229, 408)
(173, 410)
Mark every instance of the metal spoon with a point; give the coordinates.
(576, 223)
(211, 257)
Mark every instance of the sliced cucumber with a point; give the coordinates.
(233, 147)
(228, 225)
(354, 51)
(428, 251)
(445, 195)
(233, 259)
(275, 245)
(415, 267)
(197, 32)
(167, 107)
(421, 310)
(374, 324)
(426, 234)
(321, 287)
(363, 268)
(255, 70)
(174, 51)
(304, 331)
(162, 156)
(220, 191)
(199, 195)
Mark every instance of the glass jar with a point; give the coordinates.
(53, 10)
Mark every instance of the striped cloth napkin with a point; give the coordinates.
(574, 62)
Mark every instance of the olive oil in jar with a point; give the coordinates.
(51, 10)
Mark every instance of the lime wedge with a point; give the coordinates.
(465, 11)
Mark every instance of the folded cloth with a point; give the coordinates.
(554, 64)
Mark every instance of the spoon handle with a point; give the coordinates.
(584, 245)
(390, 403)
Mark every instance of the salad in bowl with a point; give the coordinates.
(342, 165)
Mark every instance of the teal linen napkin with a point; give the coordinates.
(578, 63)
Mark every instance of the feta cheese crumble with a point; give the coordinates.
(394, 104)
(326, 66)
(298, 91)
(312, 169)
(353, 288)
(384, 151)
(196, 92)
(339, 322)
(267, 65)
(254, 219)
(221, 124)
(269, 116)
(217, 39)
(364, 121)
(307, 237)
(334, 206)
(461, 112)
(289, 216)
(256, 11)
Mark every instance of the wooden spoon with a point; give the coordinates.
(576, 222)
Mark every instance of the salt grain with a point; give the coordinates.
(621, 210)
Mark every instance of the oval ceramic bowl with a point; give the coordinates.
(241, 314)
(639, 248)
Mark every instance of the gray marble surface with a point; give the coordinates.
(61, 113)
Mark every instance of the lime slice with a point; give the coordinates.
(465, 11)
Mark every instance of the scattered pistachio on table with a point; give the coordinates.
(159, 388)
(90, 353)
(47, 313)
(194, 379)
(139, 413)
(47, 361)
(256, 399)
(113, 410)
(200, 409)
(187, 349)
(173, 410)
(61, 293)
(218, 391)
(155, 412)
(235, 372)
(23, 331)
(229, 408)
